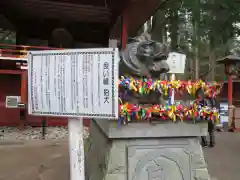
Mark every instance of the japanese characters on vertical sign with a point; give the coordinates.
(76, 83)
(176, 62)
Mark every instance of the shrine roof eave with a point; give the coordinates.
(23, 14)
(232, 59)
(83, 10)
(138, 12)
(67, 11)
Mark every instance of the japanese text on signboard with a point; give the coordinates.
(106, 81)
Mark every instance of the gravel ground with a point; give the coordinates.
(29, 133)
(223, 160)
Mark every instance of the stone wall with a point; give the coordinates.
(96, 154)
(177, 158)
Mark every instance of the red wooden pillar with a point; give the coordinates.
(125, 23)
(231, 123)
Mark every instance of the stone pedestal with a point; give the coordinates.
(143, 151)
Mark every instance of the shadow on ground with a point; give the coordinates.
(48, 160)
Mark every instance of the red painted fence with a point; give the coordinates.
(13, 83)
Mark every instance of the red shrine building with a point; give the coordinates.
(90, 23)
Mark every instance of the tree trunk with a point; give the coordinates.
(158, 26)
(196, 21)
(174, 20)
(212, 62)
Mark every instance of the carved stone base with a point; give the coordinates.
(145, 152)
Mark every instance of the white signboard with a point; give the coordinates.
(176, 62)
(73, 83)
(223, 112)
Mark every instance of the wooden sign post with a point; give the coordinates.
(75, 84)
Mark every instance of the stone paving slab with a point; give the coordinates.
(34, 160)
(48, 159)
(224, 159)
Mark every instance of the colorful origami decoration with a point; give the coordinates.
(131, 112)
(144, 86)
(135, 112)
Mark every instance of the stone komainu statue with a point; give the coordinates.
(144, 58)
(141, 58)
